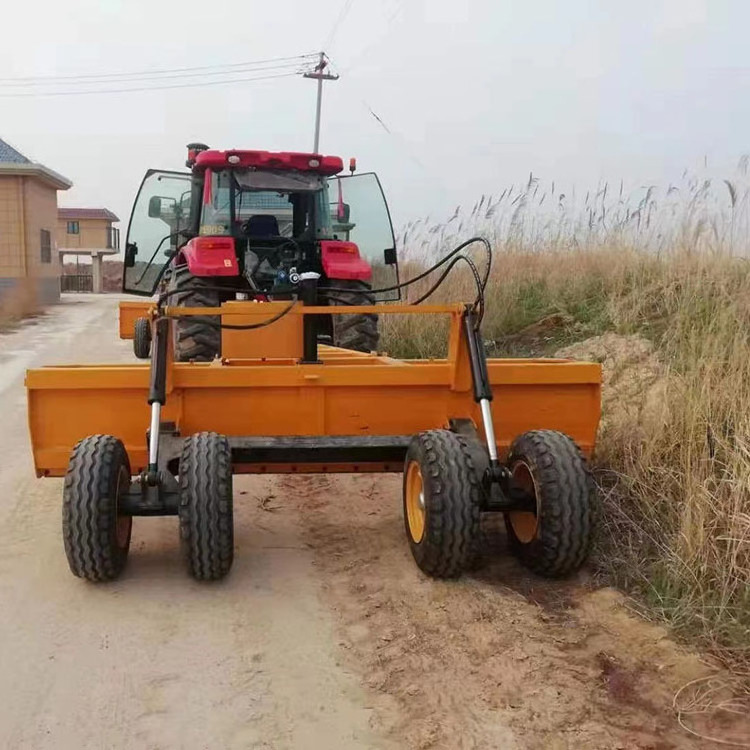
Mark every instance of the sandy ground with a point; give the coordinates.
(325, 634)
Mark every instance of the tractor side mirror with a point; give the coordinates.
(131, 250)
(389, 256)
(154, 207)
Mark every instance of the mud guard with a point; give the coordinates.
(341, 260)
(210, 256)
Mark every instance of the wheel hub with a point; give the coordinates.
(415, 502)
(525, 524)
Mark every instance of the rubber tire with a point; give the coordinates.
(205, 509)
(142, 338)
(97, 469)
(196, 338)
(565, 492)
(452, 498)
(356, 332)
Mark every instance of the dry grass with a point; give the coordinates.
(676, 485)
(675, 472)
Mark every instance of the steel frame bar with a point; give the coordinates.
(351, 394)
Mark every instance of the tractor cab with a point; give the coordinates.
(260, 218)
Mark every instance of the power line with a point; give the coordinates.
(362, 53)
(383, 125)
(284, 67)
(239, 68)
(399, 137)
(282, 61)
(40, 94)
(345, 8)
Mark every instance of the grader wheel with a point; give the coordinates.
(441, 503)
(142, 338)
(96, 536)
(205, 509)
(554, 540)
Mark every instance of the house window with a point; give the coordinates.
(46, 242)
(73, 227)
(113, 238)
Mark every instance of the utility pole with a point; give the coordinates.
(319, 75)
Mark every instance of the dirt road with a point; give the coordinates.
(325, 635)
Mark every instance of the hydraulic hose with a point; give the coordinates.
(443, 260)
(452, 258)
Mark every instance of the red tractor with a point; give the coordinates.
(251, 225)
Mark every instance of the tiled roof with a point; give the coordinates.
(8, 155)
(86, 213)
(13, 162)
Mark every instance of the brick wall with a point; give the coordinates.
(27, 206)
(11, 227)
(25, 295)
(40, 203)
(48, 290)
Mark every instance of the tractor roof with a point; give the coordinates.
(325, 165)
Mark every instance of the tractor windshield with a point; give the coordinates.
(281, 203)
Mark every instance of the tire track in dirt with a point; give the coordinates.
(499, 659)
(156, 660)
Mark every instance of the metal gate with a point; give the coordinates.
(77, 282)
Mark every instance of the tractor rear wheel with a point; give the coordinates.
(142, 338)
(96, 536)
(442, 503)
(197, 337)
(357, 332)
(553, 541)
(205, 509)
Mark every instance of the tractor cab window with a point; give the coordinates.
(263, 204)
(359, 213)
(161, 214)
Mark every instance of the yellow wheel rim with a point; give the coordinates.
(414, 500)
(525, 524)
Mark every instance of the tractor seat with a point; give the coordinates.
(261, 226)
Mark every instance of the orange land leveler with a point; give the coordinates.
(270, 273)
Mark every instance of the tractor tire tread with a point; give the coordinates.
(356, 332)
(196, 338)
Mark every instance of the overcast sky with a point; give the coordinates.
(476, 94)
